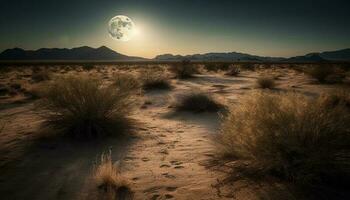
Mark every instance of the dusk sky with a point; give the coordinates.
(267, 28)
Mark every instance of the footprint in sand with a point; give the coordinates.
(155, 197)
(144, 159)
(164, 151)
(167, 175)
(176, 162)
(164, 165)
(169, 196)
(171, 189)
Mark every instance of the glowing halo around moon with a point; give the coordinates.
(121, 28)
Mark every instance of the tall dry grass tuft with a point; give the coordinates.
(233, 70)
(152, 79)
(41, 75)
(82, 108)
(184, 69)
(265, 82)
(109, 182)
(320, 72)
(198, 102)
(124, 81)
(287, 135)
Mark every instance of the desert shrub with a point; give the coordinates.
(214, 67)
(336, 97)
(198, 102)
(124, 81)
(233, 70)
(41, 75)
(320, 72)
(154, 80)
(109, 182)
(247, 66)
(82, 108)
(265, 82)
(287, 135)
(2, 124)
(183, 70)
(16, 86)
(211, 67)
(4, 90)
(88, 66)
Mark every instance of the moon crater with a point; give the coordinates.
(121, 28)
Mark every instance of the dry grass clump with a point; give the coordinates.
(233, 70)
(82, 108)
(125, 81)
(109, 182)
(88, 67)
(41, 75)
(198, 102)
(154, 80)
(265, 82)
(183, 70)
(320, 72)
(215, 67)
(2, 124)
(294, 138)
(337, 97)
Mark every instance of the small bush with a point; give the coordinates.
(41, 75)
(215, 67)
(233, 70)
(82, 108)
(126, 82)
(337, 97)
(320, 73)
(154, 80)
(198, 102)
(211, 67)
(109, 182)
(183, 69)
(88, 67)
(287, 135)
(265, 82)
(247, 66)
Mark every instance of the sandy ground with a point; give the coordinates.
(165, 158)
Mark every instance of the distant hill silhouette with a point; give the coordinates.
(104, 53)
(232, 56)
(79, 53)
(307, 58)
(340, 55)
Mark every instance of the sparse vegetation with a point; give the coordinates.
(183, 70)
(337, 97)
(124, 81)
(83, 108)
(41, 75)
(88, 67)
(154, 80)
(109, 182)
(300, 140)
(215, 67)
(233, 70)
(320, 72)
(198, 102)
(265, 82)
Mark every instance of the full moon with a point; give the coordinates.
(121, 28)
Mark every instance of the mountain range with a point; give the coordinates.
(340, 55)
(104, 53)
(79, 53)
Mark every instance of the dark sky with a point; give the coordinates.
(264, 27)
